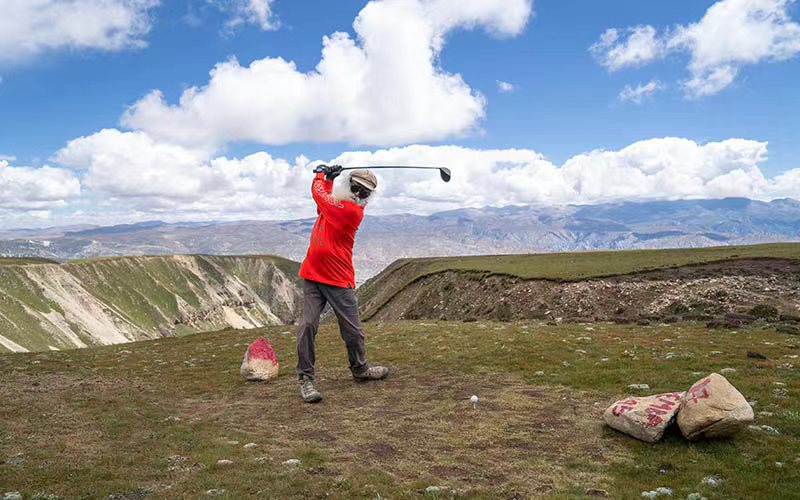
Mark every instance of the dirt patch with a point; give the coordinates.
(707, 292)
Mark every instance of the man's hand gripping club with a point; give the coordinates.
(331, 171)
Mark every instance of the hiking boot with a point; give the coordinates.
(372, 373)
(309, 393)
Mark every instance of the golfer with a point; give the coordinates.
(329, 278)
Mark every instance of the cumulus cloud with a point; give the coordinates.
(505, 87)
(639, 93)
(131, 171)
(256, 12)
(29, 27)
(731, 35)
(31, 189)
(384, 86)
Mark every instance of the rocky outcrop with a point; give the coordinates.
(46, 306)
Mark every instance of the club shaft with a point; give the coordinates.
(392, 166)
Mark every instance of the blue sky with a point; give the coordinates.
(565, 101)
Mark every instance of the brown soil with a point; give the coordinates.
(723, 293)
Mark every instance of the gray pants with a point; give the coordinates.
(343, 302)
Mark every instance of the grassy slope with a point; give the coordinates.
(121, 412)
(566, 266)
(16, 261)
(142, 289)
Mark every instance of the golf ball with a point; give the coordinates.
(474, 399)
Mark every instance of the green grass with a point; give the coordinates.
(119, 416)
(19, 261)
(593, 264)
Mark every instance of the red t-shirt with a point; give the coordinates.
(330, 255)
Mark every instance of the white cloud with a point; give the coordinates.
(505, 86)
(641, 92)
(132, 170)
(8, 158)
(129, 171)
(29, 27)
(257, 12)
(731, 34)
(28, 188)
(641, 47)
(384, 87)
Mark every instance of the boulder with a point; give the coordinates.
(713, 408)
(259, 361)
(644, 418)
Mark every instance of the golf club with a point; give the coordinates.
(444, 172)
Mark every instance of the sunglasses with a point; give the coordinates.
(360, 191)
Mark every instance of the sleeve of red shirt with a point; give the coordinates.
(332, 209)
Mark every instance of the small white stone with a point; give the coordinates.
(12, 495)
(725, 371)
(250, 445)
(649, 494)
(224, 462)
(215, 492)
(639, 387)
(539, 374)
(712, 480)
(432, 489)
(292, 462)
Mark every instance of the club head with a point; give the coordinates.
(445, 173)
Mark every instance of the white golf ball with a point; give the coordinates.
(474, 399)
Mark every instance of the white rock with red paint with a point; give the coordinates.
(644, 418)
(713, 408)
(259, 361)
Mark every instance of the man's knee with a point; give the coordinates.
(307, 328)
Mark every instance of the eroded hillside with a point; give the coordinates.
(723, 286)
(45, 305)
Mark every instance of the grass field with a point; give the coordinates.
(17, 261)
(152, 419)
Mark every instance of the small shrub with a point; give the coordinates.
(503, 311)
(764, 311)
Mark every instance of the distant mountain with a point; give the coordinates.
(471, 231)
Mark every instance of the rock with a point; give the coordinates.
(596, 492)
(261, 460)
(713, 408)
(539, 374)
(432, 489)
(292, 462)
(259, 361)
(712, 480)
(215, 492)
(639, 387)
(755, 355)
(695, 496)
(728, 370)
(786, 328)
(12, 495)
(250, 445)
(765, 428)
(224, 462)
(765, 414)
(644, 418)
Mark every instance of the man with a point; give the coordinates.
(329, 278)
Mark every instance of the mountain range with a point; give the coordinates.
(470, 231)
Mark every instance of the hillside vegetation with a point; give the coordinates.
(113, 300)
(152, 419)
(488, 280)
